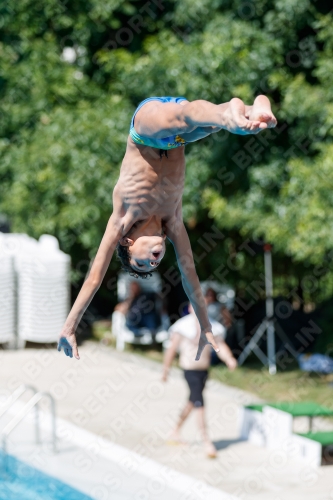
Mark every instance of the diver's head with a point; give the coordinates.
(143, 248)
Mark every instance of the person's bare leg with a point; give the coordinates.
(175, 435)
(210, 449)
(261, 110)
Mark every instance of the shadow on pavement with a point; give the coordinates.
(224, 443)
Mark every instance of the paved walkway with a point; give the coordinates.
(92, 465)
(120, 397)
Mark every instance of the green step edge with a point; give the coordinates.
(324, 438)
(302, 409)
(255, 407)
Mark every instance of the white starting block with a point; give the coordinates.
(252, 426)
(271, 425)
(306, 449)
(278, 426)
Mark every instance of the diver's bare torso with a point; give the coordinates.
(149, 184)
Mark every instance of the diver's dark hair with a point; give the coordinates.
(124, 257)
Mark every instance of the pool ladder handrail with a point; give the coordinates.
(15, 396)
(32, 403)
(22, 389)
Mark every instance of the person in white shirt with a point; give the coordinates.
(184, 339)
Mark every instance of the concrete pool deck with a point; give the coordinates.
(120, 397)
(92, 465)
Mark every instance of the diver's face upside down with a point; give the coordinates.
(146, 252)
(146, 245)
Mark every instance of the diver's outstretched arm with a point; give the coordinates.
(177, 234)
(67, 338)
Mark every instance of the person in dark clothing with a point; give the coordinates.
(141, 310)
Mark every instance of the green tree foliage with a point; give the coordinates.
(72, 73)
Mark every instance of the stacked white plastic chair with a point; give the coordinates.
(7, 295)
(42, 276)
(43, 291)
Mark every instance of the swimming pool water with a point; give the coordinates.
(23, 482)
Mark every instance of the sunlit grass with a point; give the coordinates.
(291, 385)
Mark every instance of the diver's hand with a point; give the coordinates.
(67, 341)
(206, 338)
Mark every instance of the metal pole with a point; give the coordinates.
(37, 433)
(271, 348)
(270, 310)
(53, 419)
(16, 322)
(5, 457)
(54, 430)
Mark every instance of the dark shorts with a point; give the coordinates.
(196, 380)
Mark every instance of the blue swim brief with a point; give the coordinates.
(167, 142)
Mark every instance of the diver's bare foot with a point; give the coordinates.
(210, 449)
(235, 121)
(261, 111)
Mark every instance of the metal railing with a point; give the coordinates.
(32, 403)
(15, 396)
(22, 389)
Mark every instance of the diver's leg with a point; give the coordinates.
(159, 120)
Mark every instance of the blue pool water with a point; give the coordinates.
(22, 482)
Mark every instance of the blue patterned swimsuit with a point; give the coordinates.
(162, 144)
